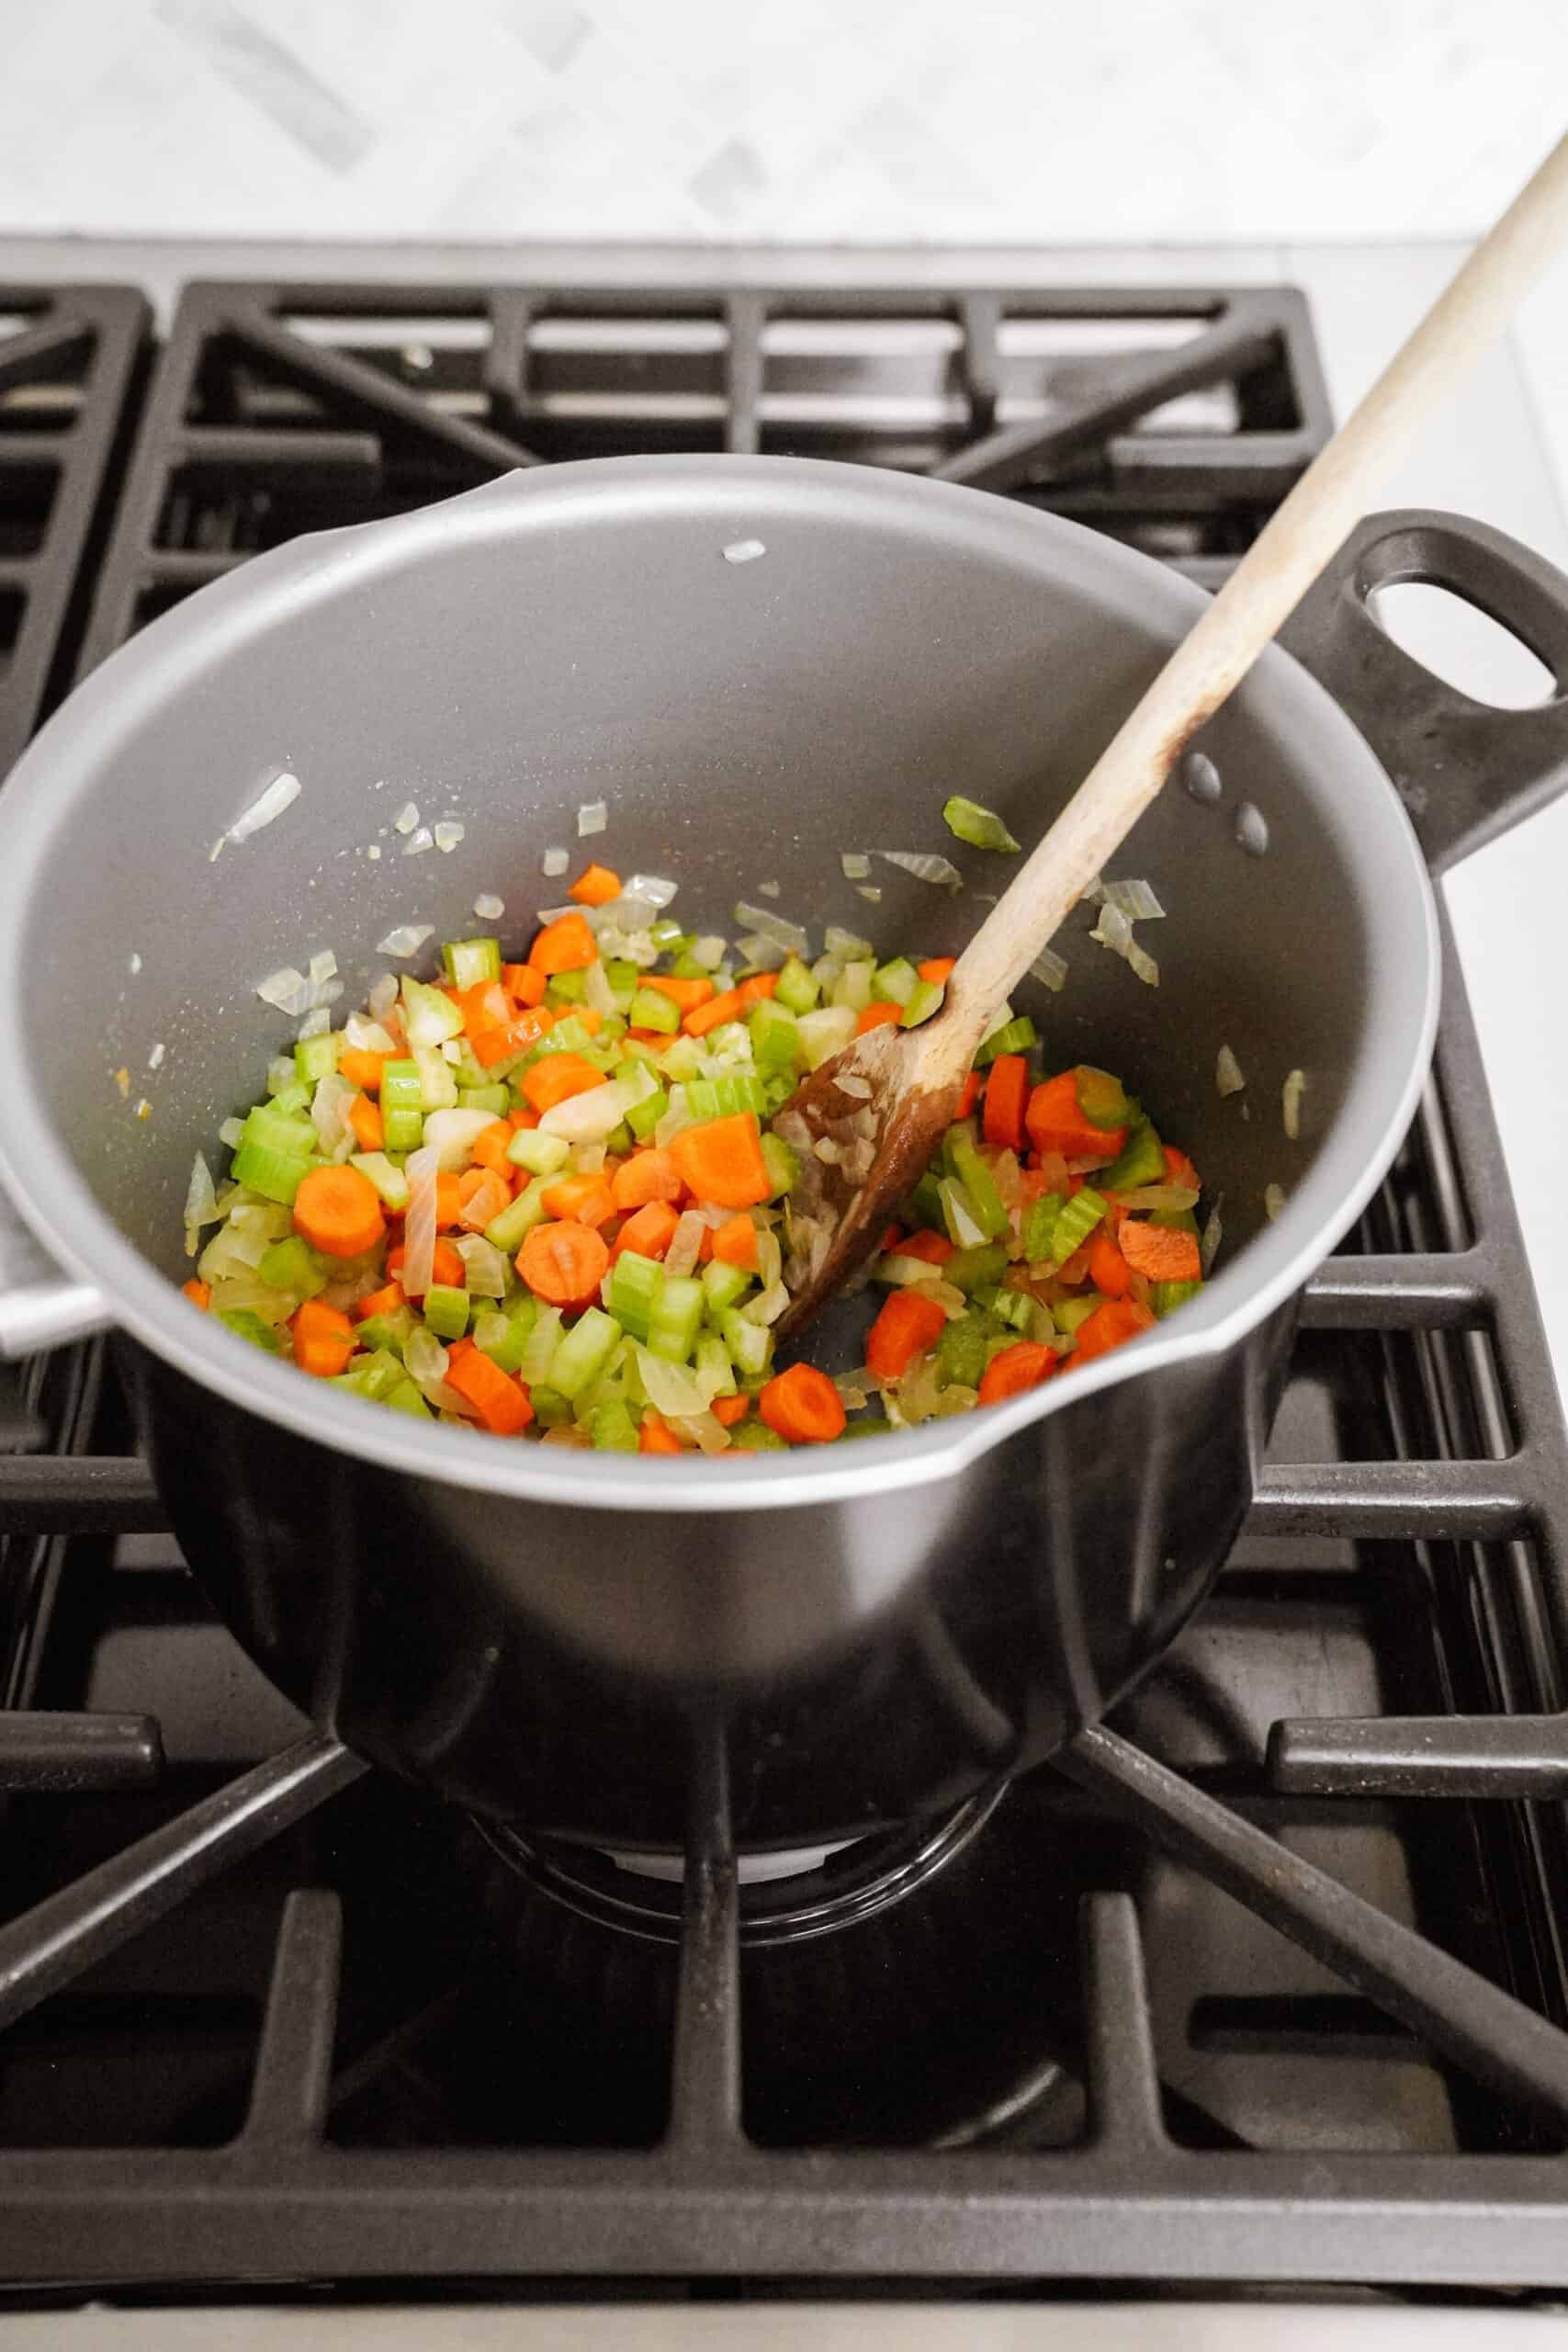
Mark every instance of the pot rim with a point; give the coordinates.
(69, 755)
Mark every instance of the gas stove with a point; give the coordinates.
(1264, 1984)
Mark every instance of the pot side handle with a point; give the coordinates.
(1465, 770)
(39, 1307)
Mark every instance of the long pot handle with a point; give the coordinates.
(1464, 770)
(39, 1307)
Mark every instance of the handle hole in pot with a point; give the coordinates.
(1462, 645)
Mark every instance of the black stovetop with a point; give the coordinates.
(1216, 2000)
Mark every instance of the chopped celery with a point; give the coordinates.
(402, 1105)
(406, 1398)
(316, 1057)
(825, 1033)
(1013, 1037)
(504, 1334)
(292, 1100)
(851, 989)
(1165, 1297)
(926, 1199)
(971, 1270)
(961, 1351)
(388, 1181)
(569, 1036)
(470, 962)
(981, 828)
(1103, 1099)
(676, 1318)
(584, 1353)
(1176, 1220)
(374, 1375)
(516, 1222)
(567, 988)
(430, 1014)
(776, 1037)
(686, 966)
(1010, 1306)
(665, 933)
(485, 1097)
(1076, 1220)
(684, 1060)
(437, 1079)
(777, 1089)
(756, 1437)
(723, 1097)
(751, 1345)
(783, 1165)
(651, 1009)
(874, 1425)
(446, 1311)
(289, 1265)
(642, 1117)
(723, 1285)
(540, 1154)
(635, 1282)
(551, 1409)
(958, 1215)
(276, 1175)
(390, 1330)
(1142, 1161)
(624, 980)
(403, 1130)
(895, 983)
(926, 998)
(613, 1430)
(967, 1163)
(1070, 1312)
(797, 991)
(280, 1131)
(714, 1367)
(246, 1326)
(541, 1344)
(1039, 1228)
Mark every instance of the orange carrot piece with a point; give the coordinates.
(557, 1077)
(564, 1264)
(580, 1200)
(970, 1095)
(1011, 1372)
(448, 1200)
(523, 1117)
(484, 1006)
(491, 1147)
(760, 985)
(486, 1201)
(501, 1402)
(934, 1247)
(565, 945)
(1160, 1252)
(649, 1230)
(323, 1338)
(1056, 1124)
(936, 968)
(892, 1235)
(803, 1406)
(876, 1016)
(735, 1243)
(906, 1327)
(385, 1301)
(522, 983)
(1108, 1270)
(365, 1119)
(686, 995)
(339, 1212)
(655, 1436)
(198, 1293)
(447, 1267)
(595, 887)
(1178, 1168)
(497, 1045)
(722, 1161)
(1007, 1094)
(649, 1175)
(730, 1006)
(362, 1069)
(1118, 1320)
(727, 1410)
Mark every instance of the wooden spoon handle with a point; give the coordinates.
(1259, 595)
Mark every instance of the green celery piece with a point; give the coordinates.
(540, 1345)
(403, 1130)
(926, 1201)
(723, 1097)
(279, 1131)
(981, 828)
(751, 1345)
(1103, 1099)
(613, 1429)
(316, 1057)
(470, 962)
(775, 1035)
(797, 991)
(713, 1363)
(246, 1326)
(437, 1079)
(406, 1398)
(895, 983)
(540, 1154)
(584, 1353)
(723, 1285)
(872, 1425)
(276, 1175)
(567, 1036)
(484, 1097)
(644, 1117)
(666, 932)
(1176, 1220)
(960, 1351)
(756, 1437)
(783, 1165)
(1014, 1036)
(1040, 1227)
(551, 1409)
(447, 1310)
(1142, 1161)
(777, 1089)
(926, 998)
(956, 1214)
(686, 967)
(516, 1222)
(651, 1009)
(853, 987)
(624, 980)
(567, 988)
(1076, 1220)
(374, 1375)
(1008, 1307)
(519, 1316)
(683, 1058)
(635, 1282)
(289, 1265)
(1165, 1297)
(390, 1331)
(1070, 1313)
(619, 1141)
(972, 1270)
(389, 1179)
(676, 1318)
(968, 1164)
(401, 1088)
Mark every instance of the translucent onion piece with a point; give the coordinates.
(368, 1036)
(596, 990)
(452, 1136)
(407, 939)
(709, 952)
(686, 1246)
(769, 1258)
(765, 924)
(489, 907)
(1228, 1079)
(1135, 899)
(592, 816)
(446, 836)
(1050, 969)
(769, 1305)
(231, 1132)
(279, 794)
(315, 1024)
(744, 550)
(155, 1058)
(289, 990)
(853, 1388)
(855, 864)
(1213, 1232)
(486, 1266)
(843, 947)
(1274, 1200)
(588, 1117)
(1142, 964)
(656, 888)
(329, 1108)
(406, 819)
(201, 1203)
(555, 861)
(702, 1430)
(1291, 1103)
(323, 966)
(869, 892)
(630, 912)
(419, 841)
(245, 1295)
(764, 954)
(381, 999)
(422, 1168)
(925, 867)
(1112, 931)
(769, 889)
(1159, 1197)
(671, 1388)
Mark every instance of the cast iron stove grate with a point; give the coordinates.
(241, 1996)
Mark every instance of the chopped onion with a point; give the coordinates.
(315, 1024)
(419, 841)
(857, 1088)
(446, 836)
(1291, 1103)
(744, 550)
(769, 889)
(1142, 964)
(869, 892)
(1050, 969)
(762, 954)
(555, 860)
(592, 816)
(705, 1430)
(1159, 1197)
(329, 1108)
(1209, 1247)
(135, 966)
(155, 1058)
(685, 1244)
(201, 1203)
(486, 1266)
(925, 867)
(671, 1388)
(407, 939)
(406, 819)
(630, 912)
(231, 1132)
(1135, 899)
(452, 1136)
(853, 1388)
(421, 1167)
(368, 1036)
(323, 966)
(770, 1256)
(373, 852)
(843, 947)
(279, 794)
(1274, 1199)
(381, 999)
(855, 864)
(765, 924)
(1228, 1079)
(288, 989)
(709, 952)
(1114, 930)
(588, 1117)
(489, 907)
(597, 993)
(768, 1306)
(656, 888)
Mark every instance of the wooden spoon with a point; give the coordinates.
(909, 1081)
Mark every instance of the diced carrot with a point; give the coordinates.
(448, 1200)
(564, 1264)
(339, 1212)
(655, 1436)
(686, 995)
(877, 1016)
(730, 1006)
(892, 1235)
(973, 1082)
(803, 1406)
(647, 1037)
(735, 1243)
(323, 1337)
(727, 1410)
(524, 1115)
(447, 1267)
(591, 1017)
(760, 985)
(1108, 1270)
(361, 1068)
(1109, 1326)
(582, 1200)
(501, 1401)
(1178, 1168)
(557, 1077)
(365, 1119)
(522, 983)
(500, 1044)
(565, 945)
(934, 1247)
(1014, 1369)
(484, 1006)
(1162, 1253)
(485, 1203)
(936, 968)
(648, 1230)
(1007, 1093)
(722, 1161)
(595, 887)
(1056, 1124)
(649, 1175)
(198, 1293)
(906, 1327)
(491, 1147)
(385, 1301)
